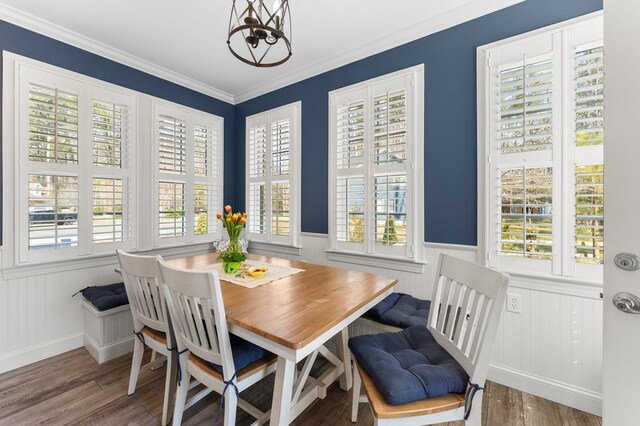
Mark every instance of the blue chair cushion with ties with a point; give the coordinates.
(408, 365)
(400, 310)
(244, 353)
(106, 297)
(406, 312)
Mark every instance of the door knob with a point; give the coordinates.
(627, 302)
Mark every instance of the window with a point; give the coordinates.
(273, 173)
(189, 178)
(376, 166)
(73, 146)
(544, 143)
(83, 166)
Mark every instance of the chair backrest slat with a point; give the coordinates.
(141, 276)
(465, 312)
(194, 299)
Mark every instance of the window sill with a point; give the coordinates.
(93, 261)
(395, 263)
(279, 248)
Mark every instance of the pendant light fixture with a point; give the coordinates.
(260, 35)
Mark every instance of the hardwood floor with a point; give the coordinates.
(73, 389)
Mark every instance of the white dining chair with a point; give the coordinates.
(465, 312)
(141, 276)
(222, 362)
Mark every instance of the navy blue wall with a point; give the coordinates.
(27, 43)
(450, 115)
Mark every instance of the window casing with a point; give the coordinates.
(273, 175)
(544, 174)
(188, 189)
(375, 166)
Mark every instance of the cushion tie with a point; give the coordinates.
(468, 398)
(179, 370)
(224, 391)
(139, 334)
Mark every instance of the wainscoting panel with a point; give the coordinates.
(552, 349)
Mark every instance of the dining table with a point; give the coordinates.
(296, 318)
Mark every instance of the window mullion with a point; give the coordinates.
(559, 155)
(268, 181)
(369, 172)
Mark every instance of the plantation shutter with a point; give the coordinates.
(545, 153)
(112, 130)
(50, 117)
(373, 167)
(271, 174)
(189, 175)
(589, 169)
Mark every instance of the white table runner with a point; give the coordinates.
(274, 272)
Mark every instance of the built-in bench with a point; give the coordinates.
(108, 326)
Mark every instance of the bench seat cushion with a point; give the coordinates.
(408, 365)
(106, 297)
(400, 310)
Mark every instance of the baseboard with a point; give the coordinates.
(562, 393)
(32, 354)
(110, 351)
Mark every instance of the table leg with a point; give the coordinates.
(282, 392)
(342, 340)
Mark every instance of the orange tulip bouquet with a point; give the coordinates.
(233, 256)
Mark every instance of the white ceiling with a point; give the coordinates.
(185, 40)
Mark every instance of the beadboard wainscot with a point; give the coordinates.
(552, 349)
(40, 318)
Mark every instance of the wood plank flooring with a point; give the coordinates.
(72, 389)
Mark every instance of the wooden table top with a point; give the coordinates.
(294, 311)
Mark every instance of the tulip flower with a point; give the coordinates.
(243, 220)
(227, 208)
(235, 217)
(228, 220)
(218, 216)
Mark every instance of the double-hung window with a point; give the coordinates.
(375, 166)
(188, 175)
(74, 142)
(273, 175)
(543, 183)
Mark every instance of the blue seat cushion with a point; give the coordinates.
(106, 297)
(244, 353)
(408, 365)
(382, 307)
(400, 310)
(406, 312)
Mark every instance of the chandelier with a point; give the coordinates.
(260, 35)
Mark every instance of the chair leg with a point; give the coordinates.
(355, 400)
(169, 387)
(136, 363)
(475, 417)
(230, 407)
(183, 389)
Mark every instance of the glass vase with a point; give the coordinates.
(234, 250)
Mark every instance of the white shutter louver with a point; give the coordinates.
(590, 214)
(390, 128)
(589, 72)
(171, 196)
(172, 144)
(280, 208)
(526, 218)
(350, 135)
(110, 221)
(258, 177)
(53, 211)
(257, 151)
(280, 147)
(257, 208)
(202, 137)
(526, 107)
(350, 209)
(109, 134)
(201, 209)
(53, 125)
(390, 198)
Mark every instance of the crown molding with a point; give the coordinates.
(429, 26)
(49, 29)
